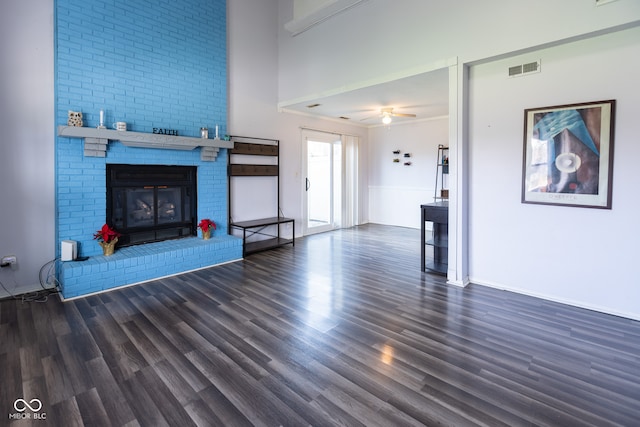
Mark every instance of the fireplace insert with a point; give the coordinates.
(151, 203)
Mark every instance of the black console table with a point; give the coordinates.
(438, 214)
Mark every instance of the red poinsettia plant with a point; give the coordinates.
(106, 234)
(206, 224)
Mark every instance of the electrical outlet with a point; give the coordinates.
(9, 259)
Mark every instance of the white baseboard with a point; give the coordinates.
(573, 303)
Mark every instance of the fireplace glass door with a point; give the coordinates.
(151, 203)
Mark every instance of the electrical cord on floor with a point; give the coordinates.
(43, 295)
(37, 296)
(49, 275)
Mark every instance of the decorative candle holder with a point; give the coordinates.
(101, 125)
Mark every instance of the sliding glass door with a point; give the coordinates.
(323, 182)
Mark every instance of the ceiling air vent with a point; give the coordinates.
(522, 69)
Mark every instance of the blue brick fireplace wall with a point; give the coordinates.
(158, 64)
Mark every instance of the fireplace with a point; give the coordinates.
(151, 203)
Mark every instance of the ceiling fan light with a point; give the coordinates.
(386, 119)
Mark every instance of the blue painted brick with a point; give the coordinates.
(161, 66)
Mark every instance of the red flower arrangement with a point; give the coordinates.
(206, 225)
(106, 234)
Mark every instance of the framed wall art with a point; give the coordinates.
(568, 155)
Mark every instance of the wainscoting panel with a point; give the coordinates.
(397, 205)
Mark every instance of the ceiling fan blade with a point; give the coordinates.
(403, 115)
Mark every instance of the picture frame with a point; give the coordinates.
(568, 155)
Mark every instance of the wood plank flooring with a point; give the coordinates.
(342, 329)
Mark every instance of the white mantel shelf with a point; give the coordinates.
(96, 141)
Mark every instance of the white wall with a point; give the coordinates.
(396, 191)
(27, 208)
(378, 38)
(253, 68)
(576, 255)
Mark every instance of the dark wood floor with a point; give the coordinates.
(343, 329)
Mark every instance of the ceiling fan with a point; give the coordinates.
(387, 113)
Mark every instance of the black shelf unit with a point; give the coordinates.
(438, 214)
(269, 229)
(442, 173)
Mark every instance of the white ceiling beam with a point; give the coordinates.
(327, 10)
